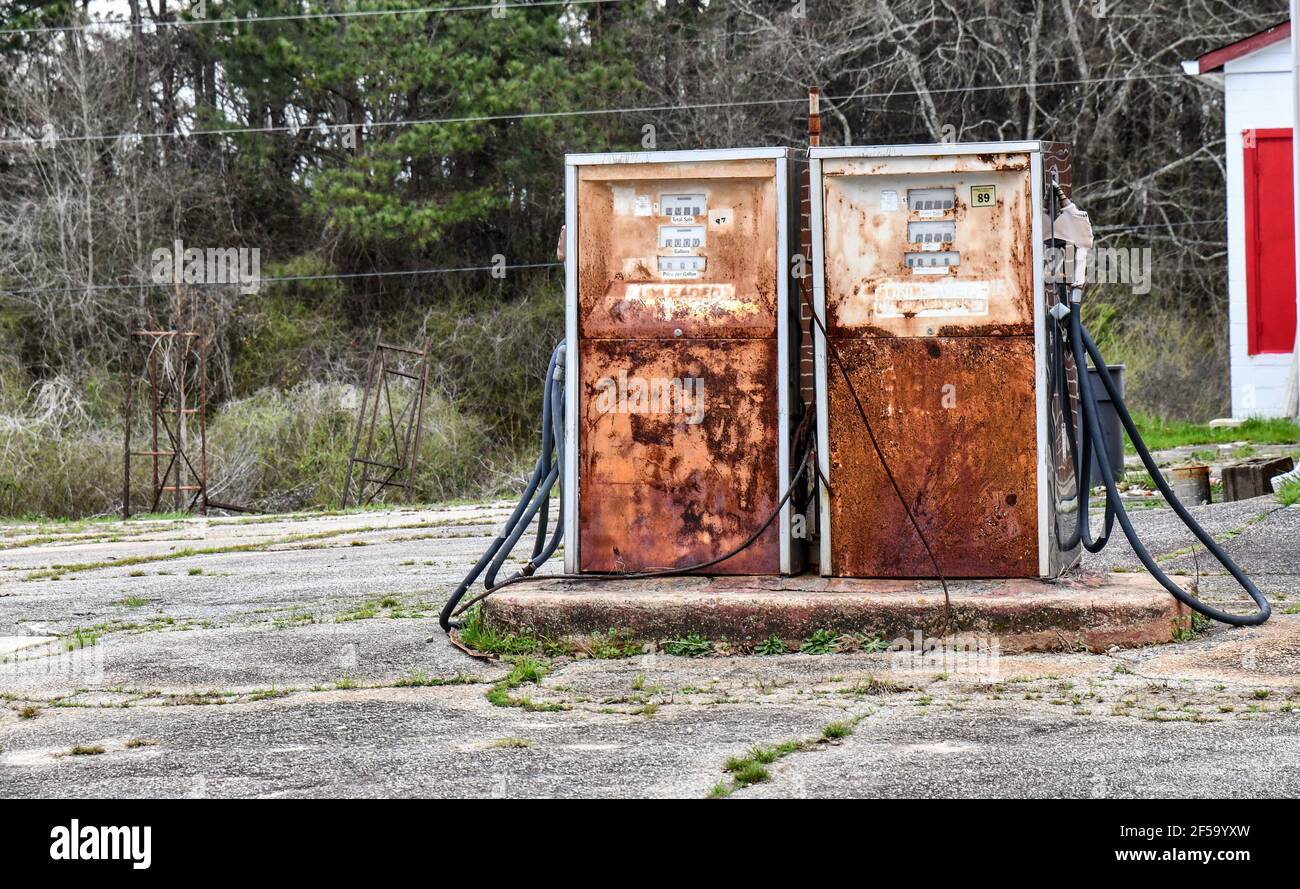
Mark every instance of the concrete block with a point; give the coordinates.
(1251, 478)
(1083, 611)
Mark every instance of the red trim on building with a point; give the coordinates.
(1216, 59)
(1270, 284)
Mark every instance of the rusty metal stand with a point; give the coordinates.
(176, 364)
(391, 462)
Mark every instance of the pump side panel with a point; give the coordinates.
(955, 417)
(668, 483)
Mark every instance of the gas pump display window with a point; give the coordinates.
(681, 239)
(933, 262)
(931, 201)
(681, 267)
(930, 235)
(683, 206)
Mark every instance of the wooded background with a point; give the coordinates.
(360, 152)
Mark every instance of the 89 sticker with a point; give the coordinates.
(982, 196)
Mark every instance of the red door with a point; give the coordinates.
(1270, 242)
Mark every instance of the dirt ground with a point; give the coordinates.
(300, 656)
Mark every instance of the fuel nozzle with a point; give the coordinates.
(1073, 226)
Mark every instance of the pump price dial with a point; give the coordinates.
(674, 268)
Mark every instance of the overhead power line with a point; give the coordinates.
(133, 285)
(282, 279)
(47, 140)
(297, 17)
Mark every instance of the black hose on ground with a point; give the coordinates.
(1088, 429)
(536, 493)
(804, 445)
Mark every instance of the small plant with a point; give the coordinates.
(262, 694)
(344, 683)
(389, 602)
(820, 642)
(1289, 493)
(136, 743)
(524, 670)
(81, 639)
(771, 646)
(609, 646)
(837, 730)
(136, 573)
(134, 601)
(477, 635)
(86, 750)
(1262, 694)
(638, 682)
(194, 572)
(694, 645)
(749, 773)
(720, 790)
(31, 711)
(513, 743)
(420, 679)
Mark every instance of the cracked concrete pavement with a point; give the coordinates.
(287, 655)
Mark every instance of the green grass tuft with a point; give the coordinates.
(837, 730)
(1162, 434)
(771, 646)
(820, 642)
(694, 645)
(1289, 493)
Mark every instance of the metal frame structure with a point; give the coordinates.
(169, 365)
(1050, 561)
(786, 238)
(406, 424)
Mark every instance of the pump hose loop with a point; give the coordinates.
(537, 493)
(1089, 424)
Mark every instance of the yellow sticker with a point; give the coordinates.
(982, 196)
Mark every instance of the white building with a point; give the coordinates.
(1256, 77)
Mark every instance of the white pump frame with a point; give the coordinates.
(1047, 561)
(571, 479)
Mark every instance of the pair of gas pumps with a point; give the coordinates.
(930, 368)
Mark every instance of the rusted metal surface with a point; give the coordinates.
(1058, 157)
(678, 400)
(678, 454)
(177, 365)
(622, 291)
(871, 290)
(392, 436)
(955, 417)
